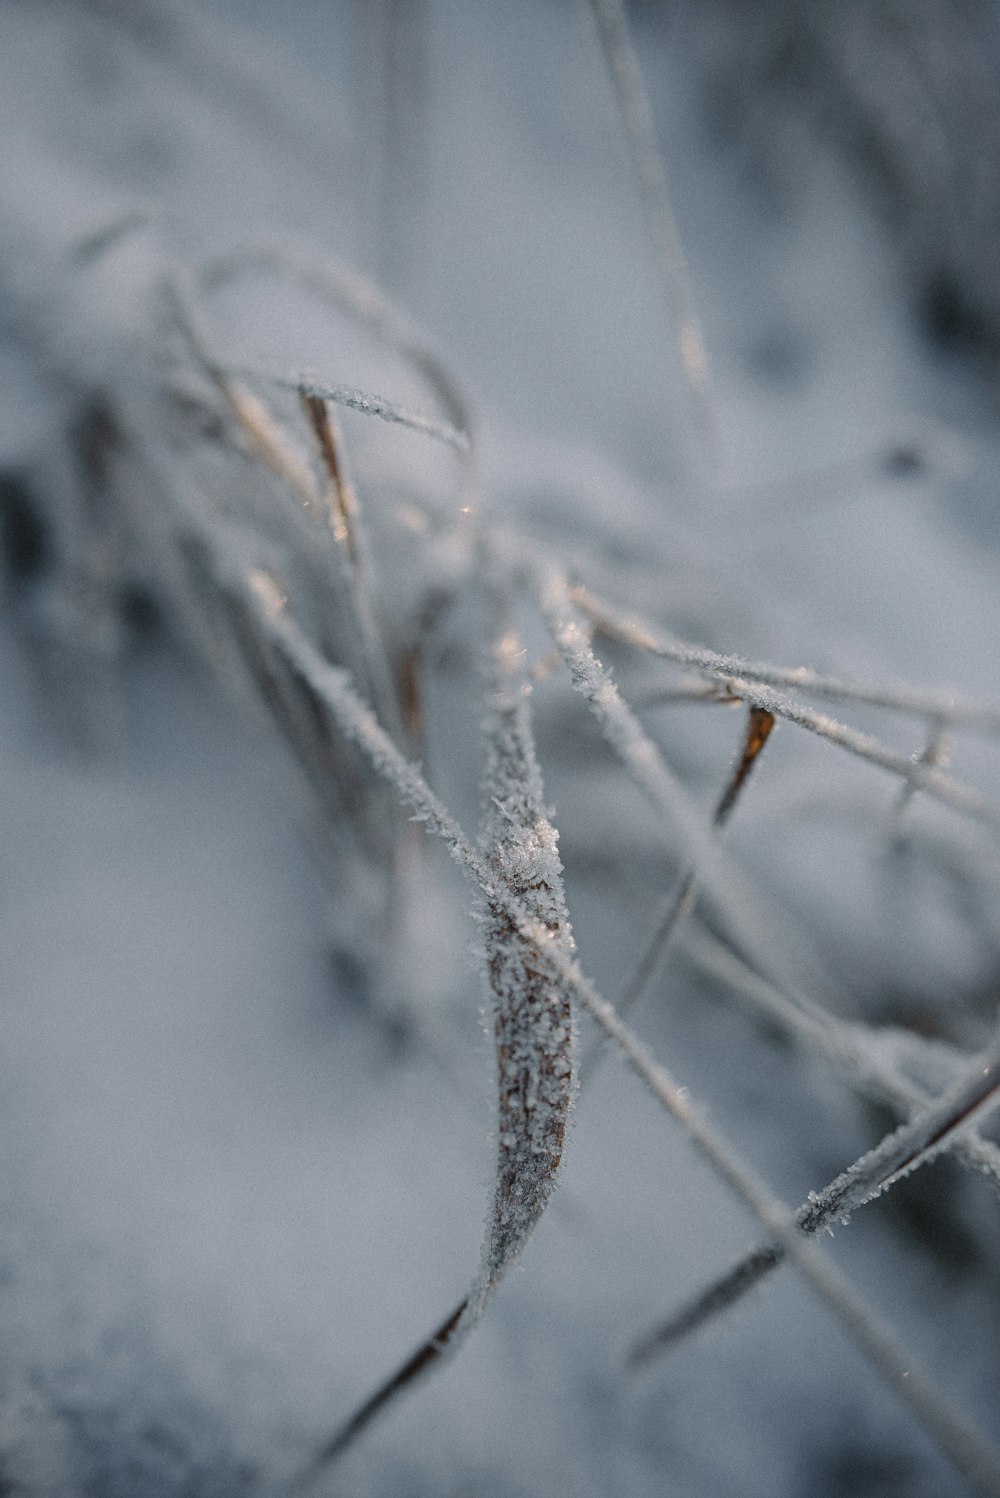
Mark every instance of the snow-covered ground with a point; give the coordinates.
(250, 1150)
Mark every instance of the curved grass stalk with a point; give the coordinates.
(533, 1025)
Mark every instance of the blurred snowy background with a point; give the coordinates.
(248, 1149)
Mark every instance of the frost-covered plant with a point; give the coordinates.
(180, 464)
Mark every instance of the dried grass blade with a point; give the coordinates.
(266, 439)
(426, 1355)
(760, 724)
(533, 1017)
(913, 1144)
(533, 1024)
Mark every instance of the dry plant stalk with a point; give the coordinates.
(917, 1143)
(651, 179)
(959, 1440)
(751, 681)
(363, 301)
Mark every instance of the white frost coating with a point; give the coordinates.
(928, 1133)
(532, 1015)
(372, 405)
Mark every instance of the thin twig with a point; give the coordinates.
(949, 706)
(916, 1143)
